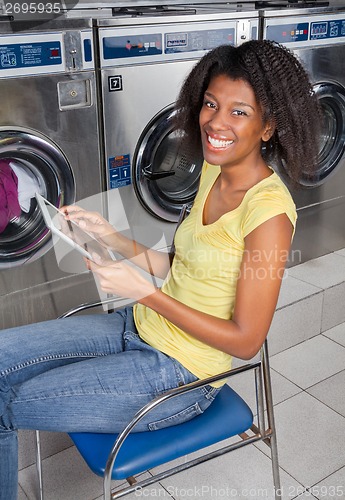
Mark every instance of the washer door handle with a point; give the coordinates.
(152, 176)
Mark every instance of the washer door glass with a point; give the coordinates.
(166, 173)
(29, 162)
(332, 141)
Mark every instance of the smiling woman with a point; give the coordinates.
(232, 132)
(220, 291)
(282, 92)
(231, 123)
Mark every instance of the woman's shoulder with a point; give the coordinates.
(272, 187)
(266, 199)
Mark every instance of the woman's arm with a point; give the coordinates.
(262, 269)
(261, 273)
(152, 261)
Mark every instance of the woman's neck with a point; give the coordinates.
(243, 177)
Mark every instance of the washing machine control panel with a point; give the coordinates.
(309, 31)
(45, 53)
(131, 46)
(184, 42)
(163, 43)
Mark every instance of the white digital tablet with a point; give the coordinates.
(70, 232)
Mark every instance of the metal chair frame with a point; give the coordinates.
(259, 432)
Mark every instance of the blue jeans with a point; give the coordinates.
(84, 374)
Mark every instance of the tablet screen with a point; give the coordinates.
(71, 233)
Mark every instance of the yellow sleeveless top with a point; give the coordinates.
(205, 269)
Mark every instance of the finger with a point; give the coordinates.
(86, 218)
(87, 262)
(97, 263)
(85, 222)
(97, 259)
(93, 266)
(72, 208)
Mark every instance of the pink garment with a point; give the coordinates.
(9, 204)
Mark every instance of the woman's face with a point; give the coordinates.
(231, 123)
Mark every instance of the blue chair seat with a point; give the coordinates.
(228, 416)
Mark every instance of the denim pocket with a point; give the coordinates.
(177, 418)
(210, 392)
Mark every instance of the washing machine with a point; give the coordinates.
(317, 37)
(49, 143)
(145, 54)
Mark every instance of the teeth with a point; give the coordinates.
(216, 143)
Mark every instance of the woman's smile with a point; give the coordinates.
(219, 143)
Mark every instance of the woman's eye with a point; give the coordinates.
(239, 112)
(209, 104)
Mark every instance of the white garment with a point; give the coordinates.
(28, 185)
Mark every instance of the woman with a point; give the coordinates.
(246, 106)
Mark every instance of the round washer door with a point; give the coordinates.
(331, 97)
(38, 165)
(165, 172)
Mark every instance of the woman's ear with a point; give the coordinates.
(268, 131)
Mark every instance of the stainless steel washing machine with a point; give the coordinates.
(48, 143)
(145, 54)
(317, 37)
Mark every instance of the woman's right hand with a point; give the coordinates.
(94, 223)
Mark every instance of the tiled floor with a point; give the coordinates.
(307, 345)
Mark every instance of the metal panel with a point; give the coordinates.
(139, 85)
(321, 49)
(35, 290)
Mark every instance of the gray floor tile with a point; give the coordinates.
(21, 494)
(67, 477)
(310, 438)
(331, 487)
(323, 272)
(245, 473)
(333, 310)
(282, 388)
(295, 323)
(305, 496)
(340, 252)
(337, 333)
(26, 448)
(51, 443)
(331, 392)
(153, 491)
(310, 362)
(245, 386)
(293, 290)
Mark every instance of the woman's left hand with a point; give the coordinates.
(121, 279)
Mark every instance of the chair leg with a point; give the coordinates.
(275, 467)
(39, 465)
(270, 419)
(107, 495)
(273, 442)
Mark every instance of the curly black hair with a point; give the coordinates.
(282, 88)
